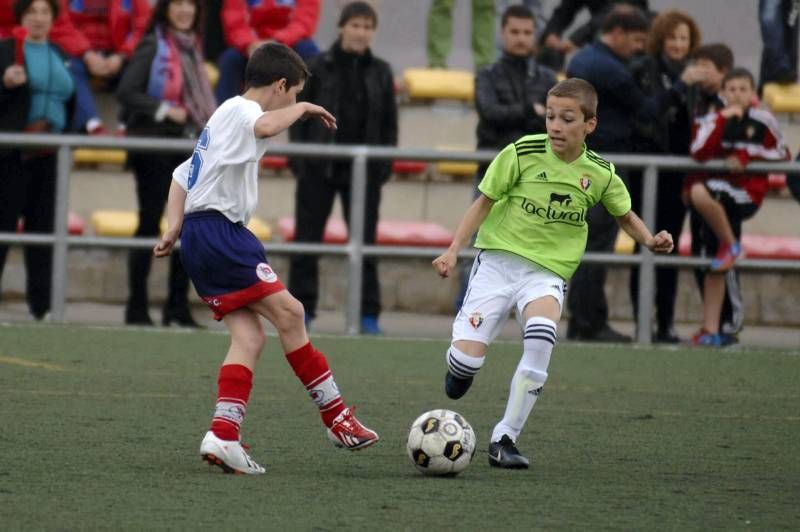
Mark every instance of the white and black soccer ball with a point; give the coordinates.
(441, 442)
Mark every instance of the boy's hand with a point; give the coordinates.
(661, 243)
(177, 115)
(163, 248)
(732, 111)
(734, 164)
(445, 263)
(316, 111)
(14, 76)
(693, 74)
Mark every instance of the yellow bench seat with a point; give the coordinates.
(98, 156)
(439, 84)
(782, 97)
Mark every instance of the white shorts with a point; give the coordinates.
(498, 282)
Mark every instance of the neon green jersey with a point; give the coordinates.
(541, 202)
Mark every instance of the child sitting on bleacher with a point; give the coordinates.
(740, 133)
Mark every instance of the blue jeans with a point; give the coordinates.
(232, 64)
(85, 108)
(779, 35)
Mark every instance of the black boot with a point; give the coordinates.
(180, 315)
(136, 312)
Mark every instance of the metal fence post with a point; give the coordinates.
(355, 254)
(644, 316)
(58, 294)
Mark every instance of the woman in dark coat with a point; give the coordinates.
(164, 93)
(673, 36)
(36, 95)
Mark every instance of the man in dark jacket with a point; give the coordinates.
(510, 93)
(358, 88)
(604, 65)
(555, 45)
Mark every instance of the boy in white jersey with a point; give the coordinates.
(212, 196)
(531, 223)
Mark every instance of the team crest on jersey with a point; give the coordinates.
(265, 273)
(475, 319)
(750, 131)
(585, 182)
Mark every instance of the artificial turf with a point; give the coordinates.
(99, 429)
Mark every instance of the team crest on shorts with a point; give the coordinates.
(475, 319)
(585, 182)
(265, 273)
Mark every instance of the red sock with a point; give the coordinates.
(233, 390)
(312, 369)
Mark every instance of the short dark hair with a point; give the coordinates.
(718, 53)
(579, 90)
(739, 73)
(21, 6)
(271, 62)
(355, 10)
(627, 17)
(516, 11)
(159, 16)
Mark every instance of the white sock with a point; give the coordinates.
(531, 374)
(461, 364)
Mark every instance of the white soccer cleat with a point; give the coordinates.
(231, 456)
(346, 431)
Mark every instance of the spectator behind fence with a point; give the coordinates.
(603, 64)
(248, 24)
(714, 61)
(673, 36)
(509, 95)
(36, 97)
(66, 36)
(555, 47)
(360, 87)
(779, 35)
(440, 32)
(164, 92)
(109, 32)
(740, 133)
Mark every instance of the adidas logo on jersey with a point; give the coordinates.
(541, 176)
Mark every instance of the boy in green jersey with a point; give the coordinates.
(531, 223)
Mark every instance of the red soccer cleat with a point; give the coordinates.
(347, 432)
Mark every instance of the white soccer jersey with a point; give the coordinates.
(222, 173)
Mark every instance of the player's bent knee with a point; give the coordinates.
(290, 314)
(471, 347)
(251, 342)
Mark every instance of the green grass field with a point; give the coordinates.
(99, 429)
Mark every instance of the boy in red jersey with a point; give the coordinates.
(740, 133)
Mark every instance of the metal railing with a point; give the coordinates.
(355, 249)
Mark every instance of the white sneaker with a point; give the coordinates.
(229, 455)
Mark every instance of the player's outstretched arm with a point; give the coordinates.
(475, 215)
(175, 205)
(634, 226)
(273, 122)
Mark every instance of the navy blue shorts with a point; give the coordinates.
(226, 262)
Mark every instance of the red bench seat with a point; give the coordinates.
(756, 246)
(75, 225)
(390, 232)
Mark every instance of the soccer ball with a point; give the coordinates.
(441, 442)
